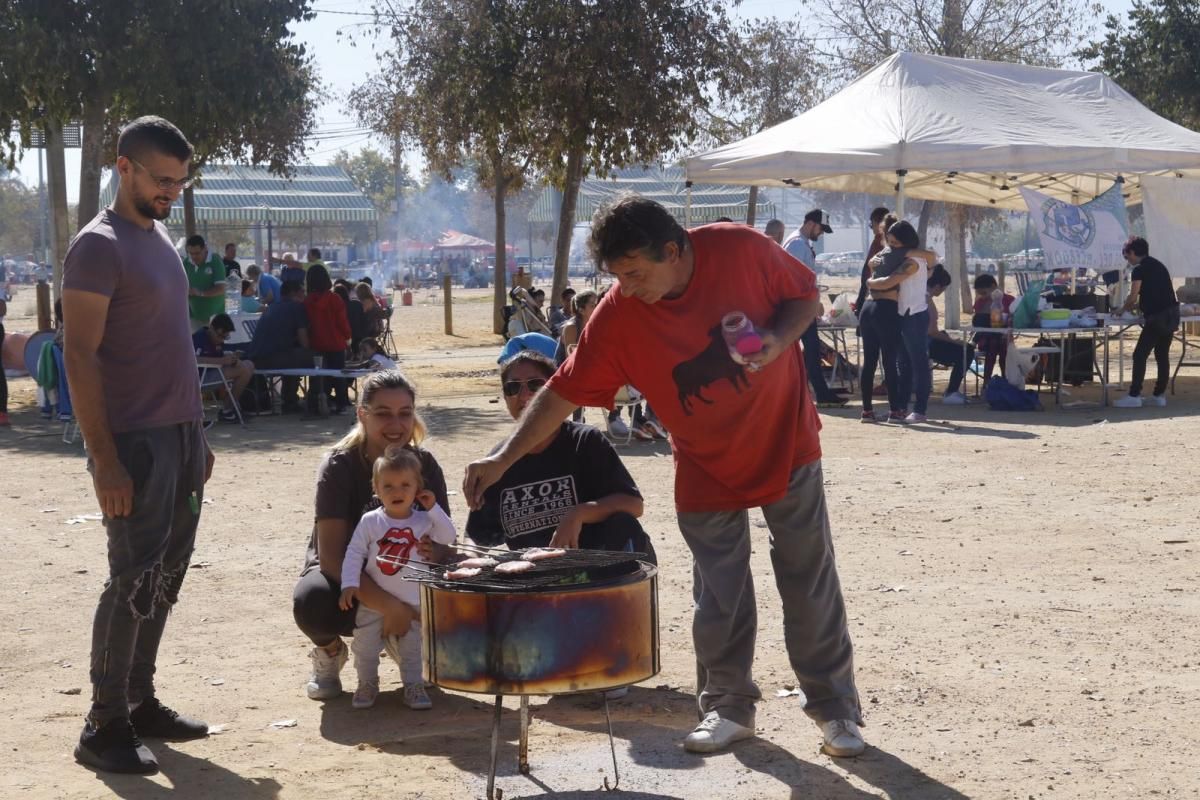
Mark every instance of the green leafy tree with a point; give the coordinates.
(228, 72)
(626, 82)
(774, 75)
(19, 217)
(1155, 56)
(374, 173)
(457, 85)
(1040, 32)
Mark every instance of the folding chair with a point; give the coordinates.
(250, 326)
(626, 397)
(213, 377)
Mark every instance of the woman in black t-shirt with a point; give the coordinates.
(386, 417)
(570, 491)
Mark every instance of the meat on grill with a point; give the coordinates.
(482, 561)
(513, 567)
(462, 572)
(542, 553)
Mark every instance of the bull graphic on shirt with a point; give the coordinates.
(711, 365)
(395, 546)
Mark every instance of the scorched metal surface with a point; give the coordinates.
(575, 638)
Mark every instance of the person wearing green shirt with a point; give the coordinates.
(206, 282)
(314, 257)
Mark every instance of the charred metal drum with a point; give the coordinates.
(560, 639)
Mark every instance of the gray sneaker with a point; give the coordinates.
(325, 683)
(841, 738)
(715, 733)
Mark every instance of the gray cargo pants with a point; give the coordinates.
(814, 616)
(148, 554)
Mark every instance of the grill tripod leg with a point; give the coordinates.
(613, 749)
(492, 792)
(523, 746)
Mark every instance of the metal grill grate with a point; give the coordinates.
(591, 564)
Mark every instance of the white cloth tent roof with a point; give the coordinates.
(966, 131)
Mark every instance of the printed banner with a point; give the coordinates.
(1090, 235)
(1171, 208)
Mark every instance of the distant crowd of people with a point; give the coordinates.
(308, 321)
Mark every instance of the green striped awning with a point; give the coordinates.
(667, 186)
(237, 195)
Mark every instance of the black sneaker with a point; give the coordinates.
(114, 747)
(155, 721)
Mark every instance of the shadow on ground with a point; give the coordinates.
(196, 777)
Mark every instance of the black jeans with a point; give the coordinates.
(148, 555)
(1157, 334)
(338, 388)
(951, 355)
(813, 365)
(315, 598)
(296, 358)
(880, 325)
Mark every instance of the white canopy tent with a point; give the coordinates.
(963, 131)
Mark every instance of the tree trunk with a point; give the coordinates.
(398, 181)
(56, 179)
(751, 205)
(566, 220)
(923, 221)
(956, 263)
(500, 298)
(91, 161)
(189, 211)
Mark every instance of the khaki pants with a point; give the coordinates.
(814, 616)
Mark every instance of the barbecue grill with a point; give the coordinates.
(520, 634)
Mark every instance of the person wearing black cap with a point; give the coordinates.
(799, 246)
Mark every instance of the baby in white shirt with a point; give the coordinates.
(382, 547)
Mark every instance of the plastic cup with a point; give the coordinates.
(318, 362)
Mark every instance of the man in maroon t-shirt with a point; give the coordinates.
(125, 306)
(744, 433)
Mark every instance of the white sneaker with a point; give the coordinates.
(954, 399)
(1128, 401)
(416, 698)
(655, 428)
(714, 734)
(325, 683)
(366, 694)
(842, 738)
(618, 429)
(1157, 400)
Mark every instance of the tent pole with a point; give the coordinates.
(687, 211)
(900, 173)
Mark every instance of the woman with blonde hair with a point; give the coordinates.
(387, 417)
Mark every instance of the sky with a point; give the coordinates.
(345, 51)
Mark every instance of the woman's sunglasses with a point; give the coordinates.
(513, 388)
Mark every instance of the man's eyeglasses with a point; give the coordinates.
(164, 184)
(513, 388)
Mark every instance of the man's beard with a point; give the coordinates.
(146, 208)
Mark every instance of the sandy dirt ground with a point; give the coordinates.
(1022, 589)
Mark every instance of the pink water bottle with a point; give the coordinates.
(740, 336)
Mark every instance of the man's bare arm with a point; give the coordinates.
(541, 418)
(85, 314)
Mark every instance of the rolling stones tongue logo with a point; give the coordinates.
(394, 549)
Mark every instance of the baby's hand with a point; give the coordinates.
(427, 499)
(348, 597)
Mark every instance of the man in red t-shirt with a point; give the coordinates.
(743, 436)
